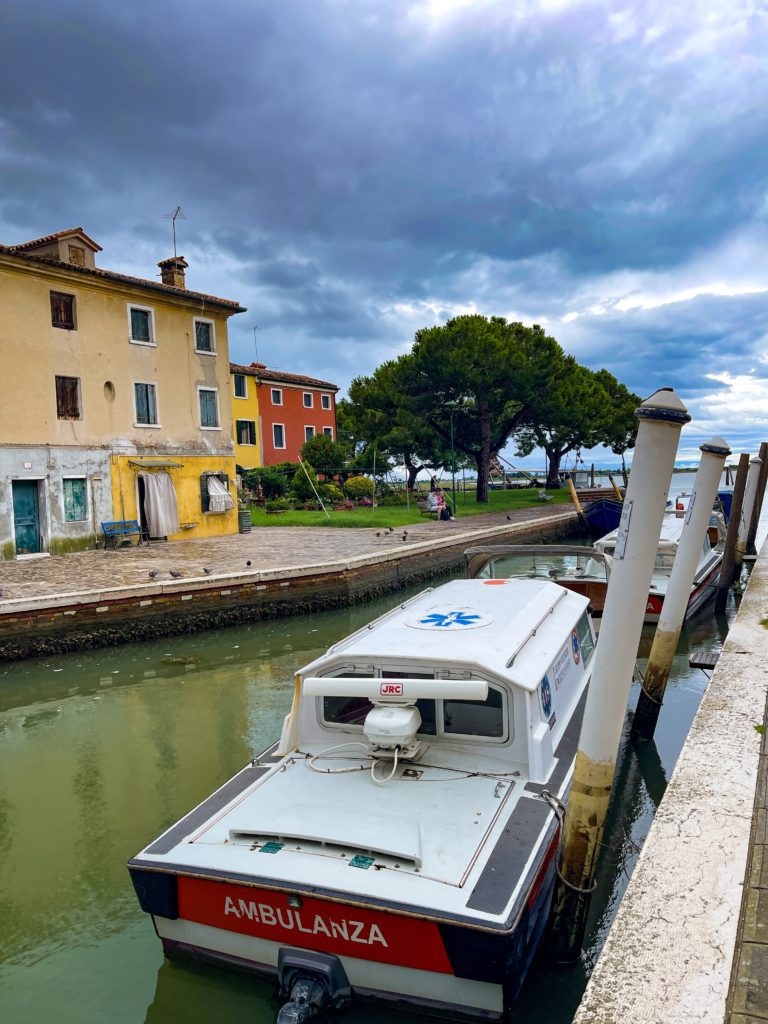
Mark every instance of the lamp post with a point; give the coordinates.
(451, 406)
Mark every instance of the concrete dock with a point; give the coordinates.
(95, 598)
(690, 940)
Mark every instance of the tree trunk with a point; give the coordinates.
(553, 467)
(483, 457)
(413, 472)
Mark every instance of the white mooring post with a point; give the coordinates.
(750, 494)
(662, 417)
(713, 456)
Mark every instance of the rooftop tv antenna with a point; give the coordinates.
(255, 342)
(173, 217)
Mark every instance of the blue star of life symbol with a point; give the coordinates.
(444, 620)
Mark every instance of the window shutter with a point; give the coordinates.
(67, 404)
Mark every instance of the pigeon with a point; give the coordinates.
(390, 529)
(509, 518)
(378, 534)
(176, 575)
(405, 536)
(248, 563)
(206, 570)
(152, 573)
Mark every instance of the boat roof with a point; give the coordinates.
(512, 628)
(671, 529)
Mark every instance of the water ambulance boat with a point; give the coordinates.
(400, 840)
(591, 574)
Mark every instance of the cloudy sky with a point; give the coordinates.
(352, 170)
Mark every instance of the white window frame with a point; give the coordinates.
(146, 426)
(283, 446)
(245, 444)
(307, 428)
(75, 476)
(328, 432)
(323, 400)
(308, 395)
(204, 320)
(152, 343)
(205, 387)
(273, 392)
(240, 398)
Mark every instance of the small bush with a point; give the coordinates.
(278, 505)
(330, 492)
(393, 498)
(358, 487)
(272, 483)
(301, 485)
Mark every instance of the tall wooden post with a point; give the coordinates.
(750, 494)
(725, 579)
(661, 419)
(697, 515)
(758, 502)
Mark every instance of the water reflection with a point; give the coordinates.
(99, 752)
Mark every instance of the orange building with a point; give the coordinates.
(291, 409)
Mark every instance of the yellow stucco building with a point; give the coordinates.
(114, 401)
(245, 418)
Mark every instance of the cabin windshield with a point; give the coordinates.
(489, 719)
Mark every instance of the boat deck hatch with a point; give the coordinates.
(391, 836)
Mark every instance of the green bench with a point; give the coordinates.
(120, 530)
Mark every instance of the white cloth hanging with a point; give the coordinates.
(219, 498)
(160, 505)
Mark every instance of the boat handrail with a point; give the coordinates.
(532, 633)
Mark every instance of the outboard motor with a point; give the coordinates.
(313, 983)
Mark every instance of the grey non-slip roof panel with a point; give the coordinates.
(506, 864)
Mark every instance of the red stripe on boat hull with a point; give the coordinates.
(316, 924)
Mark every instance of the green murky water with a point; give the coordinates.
(101, 751)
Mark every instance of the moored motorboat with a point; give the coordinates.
(590, 577)
(400, 840)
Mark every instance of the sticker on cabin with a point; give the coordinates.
(450, 620)
(546, 696)
(575, 649)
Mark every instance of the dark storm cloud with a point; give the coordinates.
(340, 162)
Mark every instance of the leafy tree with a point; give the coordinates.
(324, 453)
(571, 414)
(377, 419)
(487, 373)
(621, 426)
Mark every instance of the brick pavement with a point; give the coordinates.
(267, 549)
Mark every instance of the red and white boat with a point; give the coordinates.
(400, 840)
(589, 575)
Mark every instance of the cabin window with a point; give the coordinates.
(347, 710)
(449, 718)
(664, 559)
(586, 640)
(475, 717)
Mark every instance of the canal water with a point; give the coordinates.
(100, 751)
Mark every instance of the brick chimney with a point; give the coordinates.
(172, 271)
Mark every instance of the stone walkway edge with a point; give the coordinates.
(689, 943)
(213, 582)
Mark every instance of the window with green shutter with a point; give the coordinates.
(209, 410)
(74, 500)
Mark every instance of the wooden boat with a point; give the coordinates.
(590, 577)
(400, 840)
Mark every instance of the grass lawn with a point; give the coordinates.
(399, 515)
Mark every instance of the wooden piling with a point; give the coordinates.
(697, 515)
(575, 499)
(725, 579)
(758, 502)
(616, 489)
(750, 494)
(661, 418)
